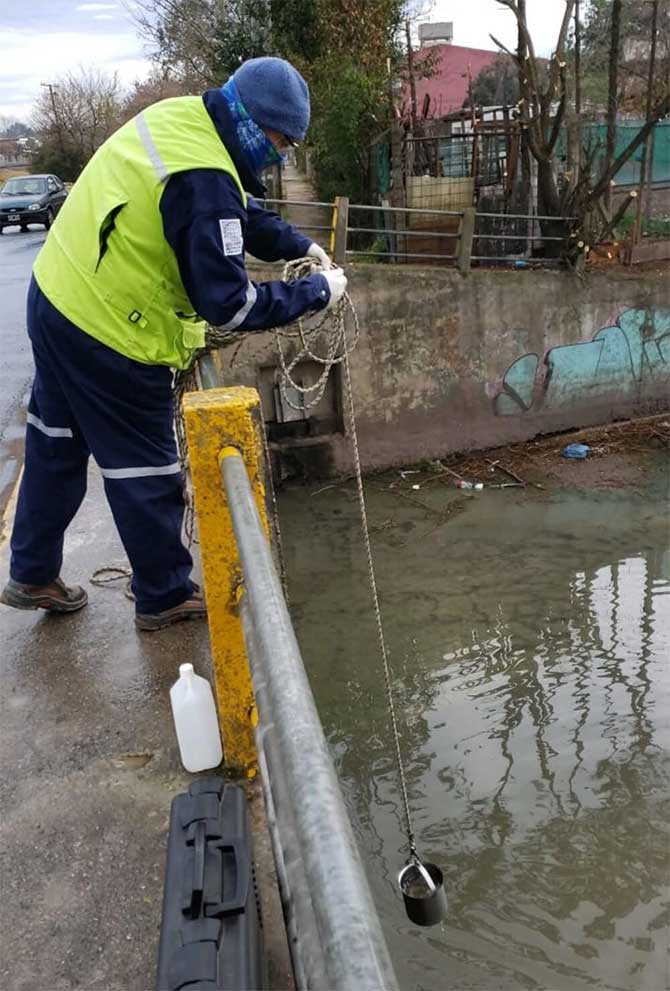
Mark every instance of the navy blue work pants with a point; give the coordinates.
(89, 399)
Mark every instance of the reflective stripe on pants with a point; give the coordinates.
(96, 401)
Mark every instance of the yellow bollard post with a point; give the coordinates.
(217, 419)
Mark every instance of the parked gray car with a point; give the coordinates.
(30, 199)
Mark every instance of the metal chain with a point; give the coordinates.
(375, 600)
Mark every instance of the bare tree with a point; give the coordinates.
(542, 109)
(157, 86)
(495, 86)
(542, 104)
(201, 41)
(74, 115)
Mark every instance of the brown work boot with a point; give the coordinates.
(193, 608)
(55, 597)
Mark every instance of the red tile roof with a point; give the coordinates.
(448, 86)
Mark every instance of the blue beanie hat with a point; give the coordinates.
(275, 95)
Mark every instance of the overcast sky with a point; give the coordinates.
(42, 39)
(474, 20)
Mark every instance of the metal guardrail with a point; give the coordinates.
(335, 934)
(209, 378)
(266, 709)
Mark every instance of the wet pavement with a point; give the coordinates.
(83, 829)
(88, 768)
(529, 636)
(17, 253)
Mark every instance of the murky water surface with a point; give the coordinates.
(530, 644)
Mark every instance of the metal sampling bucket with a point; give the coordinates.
(422, 887)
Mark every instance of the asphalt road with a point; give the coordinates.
(17, 253)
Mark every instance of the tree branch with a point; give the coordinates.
(531, 64)
(560, 114)
(611, 225)
(557, 58)
(612, 86)
(504, 49)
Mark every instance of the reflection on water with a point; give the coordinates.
(529, 639)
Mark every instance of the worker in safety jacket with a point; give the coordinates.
(148, 248)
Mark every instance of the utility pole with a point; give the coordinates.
(59, 131)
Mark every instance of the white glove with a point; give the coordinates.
(316, 252)
(337, 283)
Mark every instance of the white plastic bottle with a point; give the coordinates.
(195, 721)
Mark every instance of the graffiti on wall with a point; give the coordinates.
(628, 360)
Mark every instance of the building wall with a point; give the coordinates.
(447, 82)
(447, 362)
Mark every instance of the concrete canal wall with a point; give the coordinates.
(447, 362)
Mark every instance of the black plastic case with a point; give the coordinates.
(211, 931)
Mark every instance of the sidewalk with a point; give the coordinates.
(89, 766)
(298, 187)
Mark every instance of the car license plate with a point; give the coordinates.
(14, 216)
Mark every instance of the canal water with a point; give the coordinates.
(529, 637)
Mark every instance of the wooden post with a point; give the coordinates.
(467, 237)
(341, 222)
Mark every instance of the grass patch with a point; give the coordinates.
(651, 226)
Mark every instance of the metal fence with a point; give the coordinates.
(400, 234)
(412, 235)
(517, 239)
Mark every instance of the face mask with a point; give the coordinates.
(258, 150)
